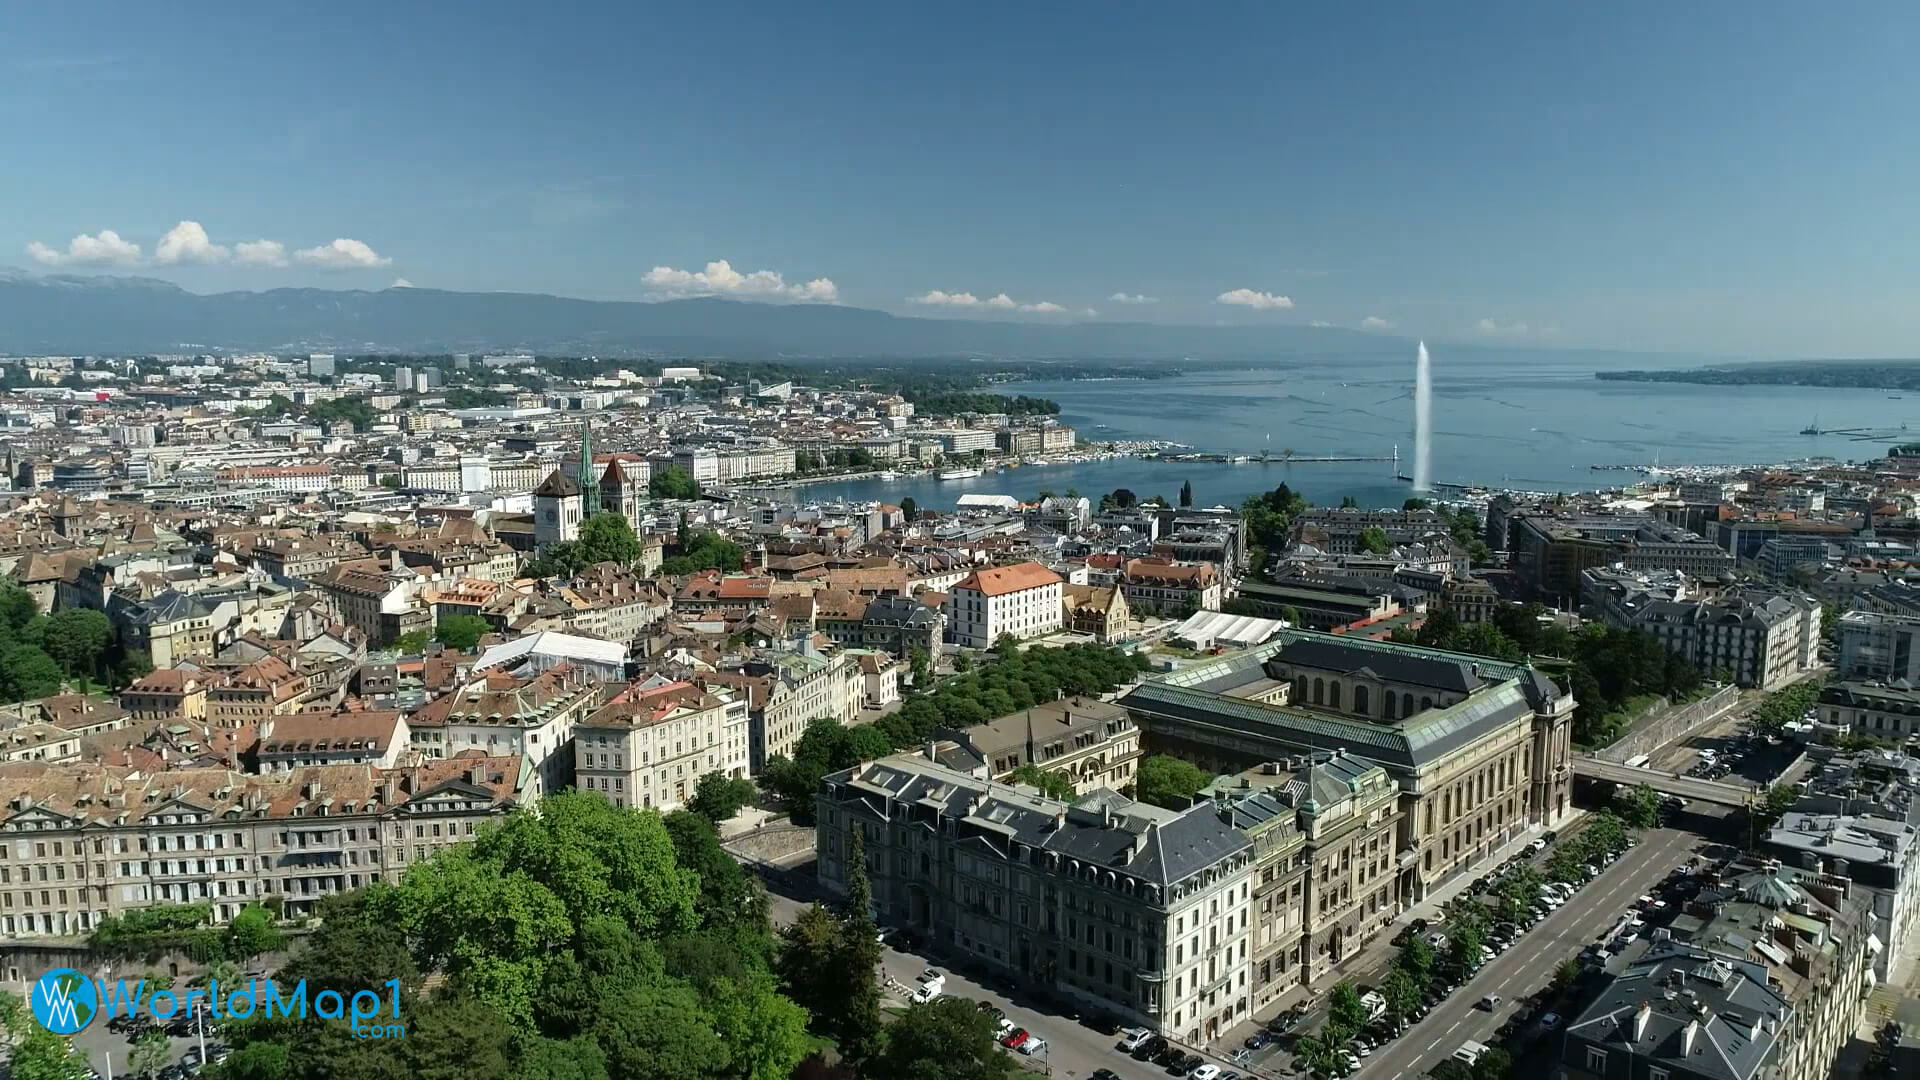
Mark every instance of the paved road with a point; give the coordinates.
(1529, 965)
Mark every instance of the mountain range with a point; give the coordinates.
(62, 313)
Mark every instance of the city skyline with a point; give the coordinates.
(1509, 175)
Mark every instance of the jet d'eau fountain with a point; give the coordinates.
(1423, 422)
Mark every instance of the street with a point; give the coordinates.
(1529, 965)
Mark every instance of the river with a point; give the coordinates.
(1508, 418)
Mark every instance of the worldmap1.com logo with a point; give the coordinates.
(64, 1001)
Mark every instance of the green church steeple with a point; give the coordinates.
(589, 483)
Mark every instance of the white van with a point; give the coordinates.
(1469, 1052)
(932, 985)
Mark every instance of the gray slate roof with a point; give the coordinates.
(1104, 829)
(1738, 1016)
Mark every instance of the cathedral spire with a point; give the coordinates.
(588, 481)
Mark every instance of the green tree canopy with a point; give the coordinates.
(1167, 781)
(1373, 539)
(76, 639)
(462, 632)
(1052, 783)
(673, 482)
(945, 1039)
(608, 538)
(718, 796)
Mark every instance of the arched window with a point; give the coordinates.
(1319, 691)
(1333, 693)
(1387, 701)
(1300, 689)
(1360, 700)
(1426, 703)
(1406, 704)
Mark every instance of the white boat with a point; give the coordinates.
(889, 475)
(959, 474)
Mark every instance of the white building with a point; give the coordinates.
(649, 747)
(1022, 600)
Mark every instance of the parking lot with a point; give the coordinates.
(109, 1046)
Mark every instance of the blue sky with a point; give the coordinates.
(1733, 178)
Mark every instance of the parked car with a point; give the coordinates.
(1033, 1046)
(1133, 1038)
(1012, 1039)
(1257, 1040)
(1206, 1071)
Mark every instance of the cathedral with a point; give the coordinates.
(562, 502)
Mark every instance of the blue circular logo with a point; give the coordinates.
(64, 1001)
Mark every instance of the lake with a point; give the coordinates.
(1511, 418)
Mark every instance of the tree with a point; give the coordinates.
(1186, 493)
(461, 632)
(1164, 780)
(1347, 502)
(76, 638)
(17, 607)
(252, 932)
(27, 673)
(1495, 1063)
(1416, 958)
(805, 967)
(608, 538)
(857, 1026)
(1402, 989)
(1345, 1011)
(730, 900)
(1373, 539)
(1415, 503)
(673, 482)
(1051, 782)
(920, 664)
(1319, 1053)
(390, 481)
(909, 510)
(1779, 799)
(718, 796)
(149, 1052)
(1639, 806)
(944, 1039)
(1463, 945)
(1567, 971)
(1119, 499)
(413, 641)
(42, 1055)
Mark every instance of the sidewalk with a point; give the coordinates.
(1376, 956)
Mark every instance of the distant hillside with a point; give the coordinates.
(69, 313)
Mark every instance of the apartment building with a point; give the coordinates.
(496, 713)
(1092, 743)
(81, 842)
(1760, 637)
(1132, 910)
(376, 737)
(1022, 600)
(1479, 749)
(1158, 588)
(167, 695)
(1324, 829)
(650, 745)
(1762, 977)
(1879, 647)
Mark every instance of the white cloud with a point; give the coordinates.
(187, 242)
(342, 254)
(1320, 324)
(401, 283)
(1003, 301)
(1090, 312)
(939, 298)
(260, 253)
(1045, 307)
(1491, 328)
(1375, 322)
(721, 279)
(104, 248)
(1253, 298)
(1135, 298)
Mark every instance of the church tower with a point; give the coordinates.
(584, 475)
(559, 507)
(619, 494)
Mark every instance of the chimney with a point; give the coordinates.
(1640, 1017)
(1688, 1036)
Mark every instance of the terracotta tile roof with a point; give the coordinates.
(1001, 580)
(370, 731)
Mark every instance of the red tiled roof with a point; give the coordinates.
(1001, 580)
